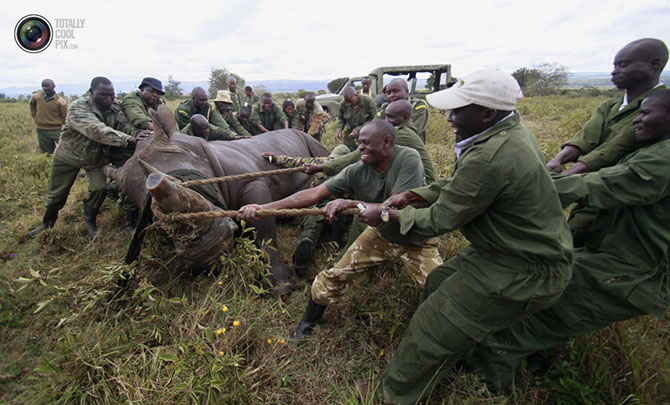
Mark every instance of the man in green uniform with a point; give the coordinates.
(244, 117)
(224, 103)
(94, 123)
(503, 200)
(136, 104)
(355, 111)
(267, 116)
(397, 89)
(250, 97)
(236, 95)
(198, 104)
(136, 107)
(366, 82)
(197, 126)
(608, 134)
(385, 169)
(313, 118)
(288, 106)
(624, 270)
(398, 114)
(49, 111)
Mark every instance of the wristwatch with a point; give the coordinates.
(385, 216)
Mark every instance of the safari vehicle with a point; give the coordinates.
(421, 80)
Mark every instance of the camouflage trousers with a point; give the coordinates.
(369, 251)
(47, 139)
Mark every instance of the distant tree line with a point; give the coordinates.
(542, 80)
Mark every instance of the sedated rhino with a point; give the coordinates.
(169, 151)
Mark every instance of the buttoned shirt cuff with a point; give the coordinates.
(406, 219)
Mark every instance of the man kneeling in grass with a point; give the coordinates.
(385, 169)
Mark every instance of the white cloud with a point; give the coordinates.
(294, 39)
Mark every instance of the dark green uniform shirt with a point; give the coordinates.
(137, 110)
(271, 119)
(238, 98)
(417, 120)
(250, 101)
(356, 117)
(231, 120)
(501, 197)
(89, 132)
(294, 120)
(218, 128)
(362, 182)
(609, 134)
(405, 136)
(634, 201)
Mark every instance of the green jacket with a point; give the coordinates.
(609, 134)
(294, 121)
(418, 120)
(250, 101)
(351, 118)
(405, 136)
(218, 128)
(633, 198)
(272, 119)
(238, 99)
(231, 120)
(501, 197)
(137, 110)
(89, 133)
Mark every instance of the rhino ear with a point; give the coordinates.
(164, 124)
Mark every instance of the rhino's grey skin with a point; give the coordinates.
(217, 159)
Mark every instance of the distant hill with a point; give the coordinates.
(128, 86)
(577, 79)
(599, 79)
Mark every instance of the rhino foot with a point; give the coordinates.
(282, 289)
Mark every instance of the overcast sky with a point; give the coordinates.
(321, 40)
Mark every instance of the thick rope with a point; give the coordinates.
(244, 176)
(260, 213)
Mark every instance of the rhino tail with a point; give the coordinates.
(164, 124)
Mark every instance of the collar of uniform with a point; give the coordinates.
(635, 102)
(510, 120)
(47, 98)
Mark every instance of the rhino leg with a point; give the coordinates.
(256, 192)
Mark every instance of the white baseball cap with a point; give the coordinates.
(491, 88)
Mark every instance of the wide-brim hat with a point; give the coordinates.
(223, 96)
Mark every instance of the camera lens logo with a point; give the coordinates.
(33, 33)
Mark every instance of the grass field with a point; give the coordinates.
(72, 332)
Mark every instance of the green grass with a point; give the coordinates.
(79, 326)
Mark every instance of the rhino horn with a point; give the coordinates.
(173, 198)
(147, 168)
(164, 124)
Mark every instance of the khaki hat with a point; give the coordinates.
(223, 96)
(491, 88)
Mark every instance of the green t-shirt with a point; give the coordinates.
(362, 182)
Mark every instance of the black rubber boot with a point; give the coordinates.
(131, 222)
(313, 314)
(303, 257)
(90, 215)
(49, 219)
